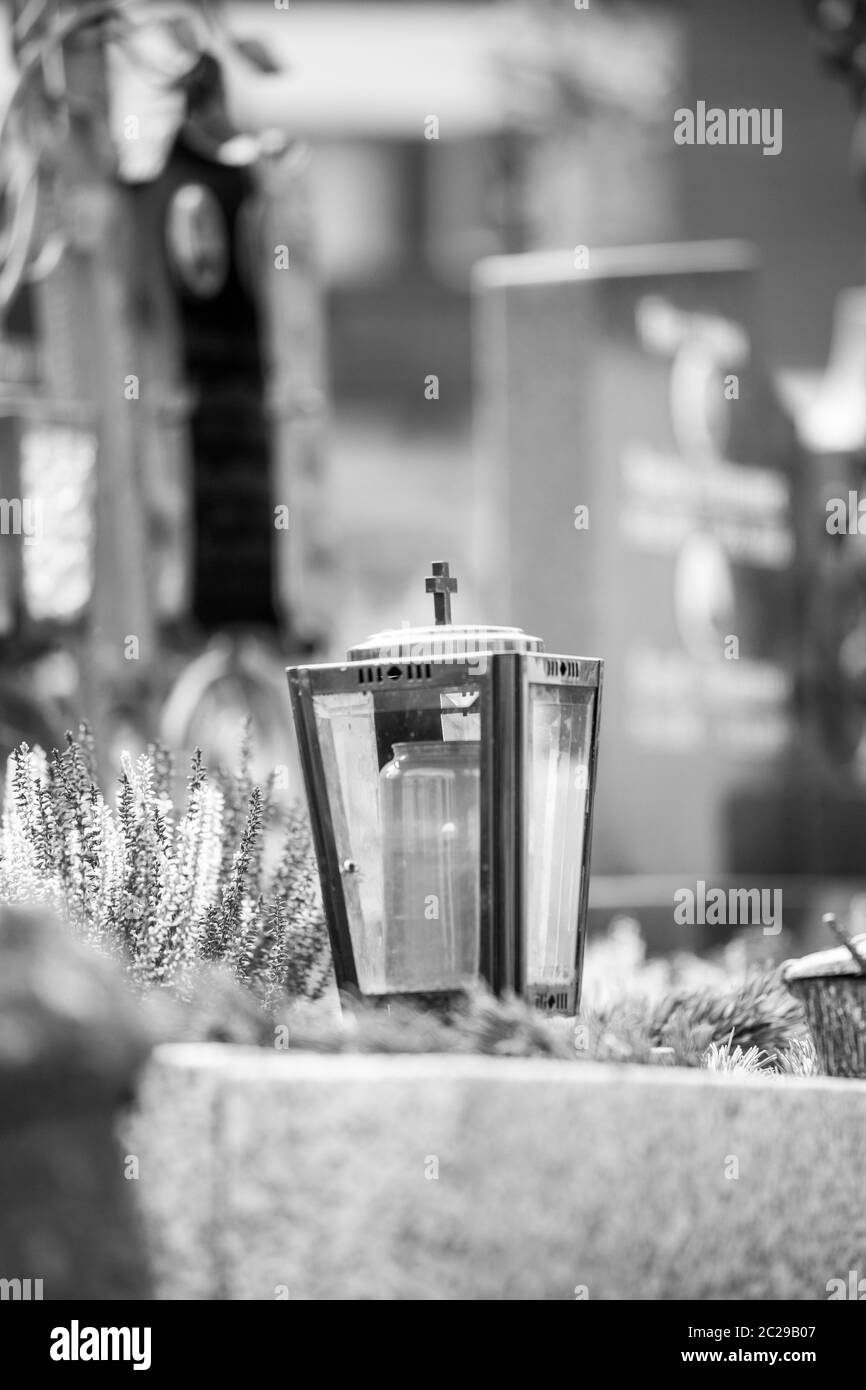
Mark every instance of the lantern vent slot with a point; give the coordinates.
(549, 1000)
(368, 675)
(563, 668)
(412, 671)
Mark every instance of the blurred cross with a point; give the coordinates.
(441, 585)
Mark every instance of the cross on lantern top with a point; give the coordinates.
(441, 585)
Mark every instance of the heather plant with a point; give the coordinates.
(230, 879)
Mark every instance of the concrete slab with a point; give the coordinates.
(305, 1176)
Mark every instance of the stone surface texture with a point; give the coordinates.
(304, 1176)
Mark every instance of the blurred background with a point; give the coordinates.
(293, 303)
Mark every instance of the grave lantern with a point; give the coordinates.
(450, 775)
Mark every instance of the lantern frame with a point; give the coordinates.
(503, 681)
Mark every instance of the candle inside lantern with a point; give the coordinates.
(430, 797)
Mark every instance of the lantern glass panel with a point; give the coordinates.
(560, 741)
(402, 769)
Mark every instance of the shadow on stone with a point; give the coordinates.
(71, 1045)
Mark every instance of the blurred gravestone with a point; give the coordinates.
(635, 502)
(69, 1052)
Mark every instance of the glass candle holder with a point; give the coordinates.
(430, 797)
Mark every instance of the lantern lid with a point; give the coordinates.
(442, 639)
(823, 965)
(849, 958)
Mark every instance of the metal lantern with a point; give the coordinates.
(450, 774)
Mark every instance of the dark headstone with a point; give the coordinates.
(636, 481)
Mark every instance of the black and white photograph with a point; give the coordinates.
(432, 672)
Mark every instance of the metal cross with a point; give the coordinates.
(441, 585)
